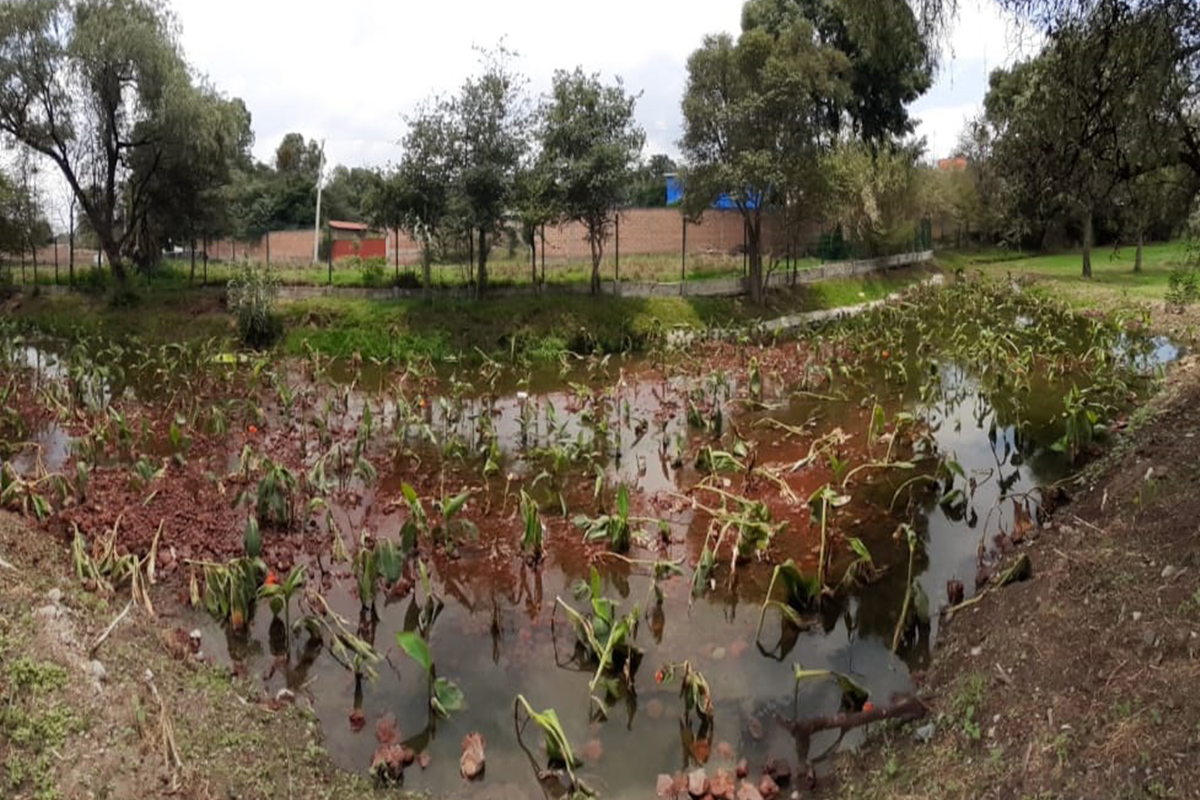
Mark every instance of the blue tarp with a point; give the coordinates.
(675, 195)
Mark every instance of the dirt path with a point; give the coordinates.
(74, 725)
(1080, 682)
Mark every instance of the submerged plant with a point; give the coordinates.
(854, 695)
(558, 748)
(535, 529)
(802, 593)
(915, 609)
(611, 528)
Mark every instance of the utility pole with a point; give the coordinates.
(317, 223)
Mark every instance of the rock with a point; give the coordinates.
(195, 636)
(697, 782)
(48, 612)
(424, 758)
(722, 787)
(1136, 616)
(742, 769)
(1169, 572)
(725, 750)
(977, 651)
(285, 695)
(925, 733)
(357, 720)
(748, 791)
(472, 762)
(97, 670)
(665, 787)
(54, 596)
(718, 654)
(768, 788)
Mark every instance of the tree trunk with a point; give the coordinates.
(754, 259)
(269, 248)
(1087, 243)
(1137, 259)
(205, 256)
(543, 254)
(192, 274)
(533, 278)
(597, 248)
(396, 254)
(33, 255)
(71, 252)
(427, 270)
(483, 254)
(56, 259)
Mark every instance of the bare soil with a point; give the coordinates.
(1080, 682)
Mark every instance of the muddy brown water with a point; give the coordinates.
(494, 635)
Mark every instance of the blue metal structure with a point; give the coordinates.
(675, 196)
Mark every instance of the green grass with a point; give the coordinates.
(1113, 279)
(503, 270)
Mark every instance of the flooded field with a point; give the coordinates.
(677, 553)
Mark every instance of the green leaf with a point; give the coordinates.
(447, 697)
(416, 648)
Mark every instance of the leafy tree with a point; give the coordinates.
(891, 62)
(537, 203)
(590, 144)
(874, 195)
(754, 111)
(95, 85)
(346, 192)
(489, 120)
(648, 187)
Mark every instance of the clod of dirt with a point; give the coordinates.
(472, 762)
(389, 762)
(723, 787)
(748, 791)
(768, 788)
(780, 771)
(743, 769)
(698, 783)
(954, 592)
(664, 787)
(387, 731)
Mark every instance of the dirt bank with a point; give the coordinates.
(78, 724)
(1081, 681)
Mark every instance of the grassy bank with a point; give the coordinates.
(540, 327)
(1113, 280)
(502, 271)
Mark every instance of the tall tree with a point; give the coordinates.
(891, 60)
(489, 127)
(753, 110)
(590, 143)
(92, 84)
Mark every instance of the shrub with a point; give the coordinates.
(1183, 287)
(252, 295)
(373, 271)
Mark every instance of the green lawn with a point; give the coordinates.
(1113, 279)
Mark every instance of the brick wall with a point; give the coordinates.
(644, 231)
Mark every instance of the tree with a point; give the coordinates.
(753, 112)
(417, 195)
(648, 188)
(346, 192)
(189, 178)
(891, 62)
(94, 85)
(537, 202)
(489, 140)
(874, 195)
(590, 144)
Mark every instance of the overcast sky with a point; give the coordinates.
(348, 71)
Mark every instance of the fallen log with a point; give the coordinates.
(904, 709)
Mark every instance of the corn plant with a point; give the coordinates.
(802, 594)
(444, 694)
(611, 528)
(535, 529)
(278, 594)
(554, 739)
(854, 695)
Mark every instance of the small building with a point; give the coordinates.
(350, 239)
(953, 164)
